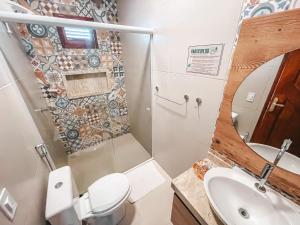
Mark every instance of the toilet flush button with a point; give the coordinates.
(58, 185)
(8, 204)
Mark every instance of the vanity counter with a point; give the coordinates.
(190, 190)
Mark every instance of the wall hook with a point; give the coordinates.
(199, 101)
(186, 98)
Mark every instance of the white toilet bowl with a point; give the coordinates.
(102, 204)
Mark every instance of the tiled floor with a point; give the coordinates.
(117, 155)
(154, 208)
(120, 155)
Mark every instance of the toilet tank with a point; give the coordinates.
(62, 198)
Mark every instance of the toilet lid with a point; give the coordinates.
(108, 191)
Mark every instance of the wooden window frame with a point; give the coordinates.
(79, 44)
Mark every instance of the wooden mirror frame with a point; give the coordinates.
(260, 40)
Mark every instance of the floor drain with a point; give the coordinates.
(244, 213)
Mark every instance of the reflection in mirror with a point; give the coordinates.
(266, 110)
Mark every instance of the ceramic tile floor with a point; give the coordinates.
(117, 155)
(154, 208)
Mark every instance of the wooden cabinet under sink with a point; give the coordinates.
(181, 215)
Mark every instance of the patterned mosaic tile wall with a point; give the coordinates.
(81, 122)
(253, 8)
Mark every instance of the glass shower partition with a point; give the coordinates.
(127, 124)
(90, 101)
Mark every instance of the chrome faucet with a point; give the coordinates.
(268, 168)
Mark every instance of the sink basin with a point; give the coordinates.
(236, 201)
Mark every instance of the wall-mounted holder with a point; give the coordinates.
(42, 150)
(186, 98)
(7, 27)
(44, 109)
(199, 102)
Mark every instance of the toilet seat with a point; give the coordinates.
(105, 195)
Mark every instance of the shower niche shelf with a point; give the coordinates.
(82, 83)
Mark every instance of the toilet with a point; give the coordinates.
(102, 204)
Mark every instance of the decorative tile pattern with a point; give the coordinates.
(76, 144)
(81, 122)
(80, 62)
(29, 1)
(48, 63)
(28, 47)
(72, 134)
(102, 35)
(86, 131)
(47, 8)
(99, 14)
(104, 47)
(116, 46)
(36, 63)
(40, 76)
(62, 103)
(65, 62)
(260, 7)
(69, 9)
(34, 6)
(53, 36)
(94, 61)
(93, 119)
(22, 30)
(111, 5)
(253, 8)
(54, 77)
(83, 8)
(122, 92)
(67, 2)
(43, 46)
(92, 109)
(111, 11)
(107, 61)
(37, 30)
(79, 111)
(118, 71)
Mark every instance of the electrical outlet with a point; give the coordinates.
(251, 97)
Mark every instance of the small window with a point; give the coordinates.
(72, 37)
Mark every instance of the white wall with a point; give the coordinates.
(22, 72)
(180, 138)
(22, 171)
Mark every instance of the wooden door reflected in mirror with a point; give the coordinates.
(280, 117)
(267, 110)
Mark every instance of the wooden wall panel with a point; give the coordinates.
(261, 39)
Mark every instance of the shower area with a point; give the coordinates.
(86, 81)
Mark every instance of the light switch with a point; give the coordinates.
(251, 97)
(8, 204)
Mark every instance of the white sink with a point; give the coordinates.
(236, 201)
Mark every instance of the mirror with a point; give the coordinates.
(266, 110)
